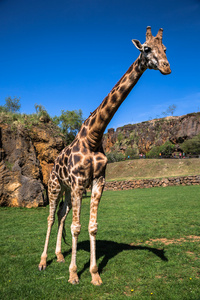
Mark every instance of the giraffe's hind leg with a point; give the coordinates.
(54, 191)
(62, 214)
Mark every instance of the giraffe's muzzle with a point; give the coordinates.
(164, 67)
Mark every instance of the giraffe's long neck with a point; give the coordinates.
(94, 127)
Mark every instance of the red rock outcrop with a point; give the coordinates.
(26, 159)
(156, 132)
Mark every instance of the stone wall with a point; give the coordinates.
(148, 183)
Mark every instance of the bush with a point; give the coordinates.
(120, 137)
(131, 153)
(166, 150)
(42, 113)
(192, 145)
(115, 156)
(16, 118)
(154, 152)
(2, 108)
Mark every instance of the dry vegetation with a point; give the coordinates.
(152, 168)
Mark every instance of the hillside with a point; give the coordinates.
(152, 168)
(143, 136)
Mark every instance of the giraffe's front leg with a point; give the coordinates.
(97, 189)
(76, 197)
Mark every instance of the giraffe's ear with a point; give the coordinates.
(137, 44)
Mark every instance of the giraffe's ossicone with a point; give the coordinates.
(82, 164)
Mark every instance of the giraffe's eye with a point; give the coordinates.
(147, 49)
(164, 49)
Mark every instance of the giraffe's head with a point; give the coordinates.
(153, 52)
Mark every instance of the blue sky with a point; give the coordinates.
(68, 54)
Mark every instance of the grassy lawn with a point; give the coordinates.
(152, 168)
(148, 246)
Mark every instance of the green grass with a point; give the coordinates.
(131, 265)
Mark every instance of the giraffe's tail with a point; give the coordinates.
(64, 234)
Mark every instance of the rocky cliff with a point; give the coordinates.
(27, 154)
(28, 150)
(145, 135)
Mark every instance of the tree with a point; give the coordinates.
(12, 105)
(167, 148)
(154, 152)
(192, 145)
(131, 153)
(170, 110)
(70, 123)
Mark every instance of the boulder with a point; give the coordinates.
(26, 160)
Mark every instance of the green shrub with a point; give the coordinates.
(154, 152)
(131, 153)
(2, 109)
(166, 150)
(120, 137)
(115, 156)
(192, 145)
(42, 113)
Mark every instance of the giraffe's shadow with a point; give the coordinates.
(109, 249)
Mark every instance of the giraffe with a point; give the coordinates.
(83, 162)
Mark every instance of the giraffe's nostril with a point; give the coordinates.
(165, 64)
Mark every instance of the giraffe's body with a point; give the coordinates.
(83, 162)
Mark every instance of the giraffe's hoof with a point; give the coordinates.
(41, 267)
(60, 258)
(74, 281)
(42, 264)
(73, 278)
(96, 279)
(97, 282)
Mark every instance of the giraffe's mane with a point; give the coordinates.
(91, 114)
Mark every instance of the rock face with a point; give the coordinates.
(145, 135)
(26, 159)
